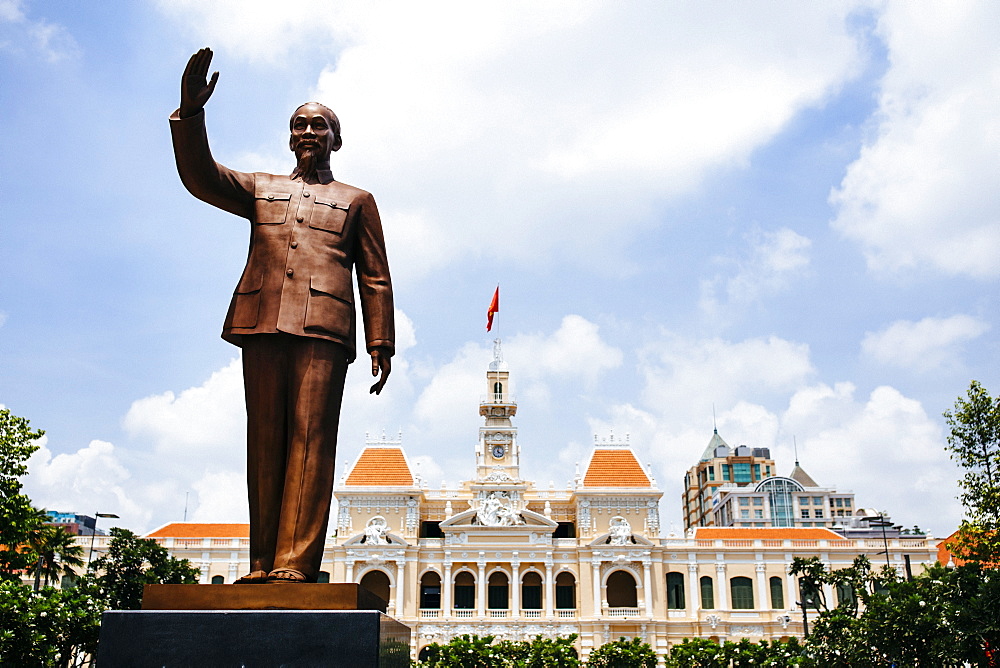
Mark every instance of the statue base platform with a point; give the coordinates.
(249, 626)
(298, 596)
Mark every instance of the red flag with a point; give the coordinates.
(494, 307)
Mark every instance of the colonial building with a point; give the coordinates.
(498, 555)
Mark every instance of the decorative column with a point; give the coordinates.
(550, 587)
(762, 589)
(694, 590)
(481, 586)
(647, 588)
(792, 595)
(349, 566)
(400, 584)
(446, 586)
(721, 586)
(515, 584)
(598, 609)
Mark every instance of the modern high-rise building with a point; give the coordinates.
(720, 466)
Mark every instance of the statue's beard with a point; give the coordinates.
(308, 158)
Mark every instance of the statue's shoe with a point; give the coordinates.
(254, 577)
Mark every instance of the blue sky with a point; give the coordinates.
(787, 211)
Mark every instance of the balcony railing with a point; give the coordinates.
(463, 613)
(499, 614)
(531, 614)
(428, 613)
(620, 613)
(566, 613)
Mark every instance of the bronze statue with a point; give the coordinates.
(293, 315)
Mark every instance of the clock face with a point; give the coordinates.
(498, 451)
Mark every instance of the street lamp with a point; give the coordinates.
(881, 521)
(93, 534)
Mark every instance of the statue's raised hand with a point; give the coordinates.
(195, 86)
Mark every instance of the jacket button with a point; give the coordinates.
(295, 244)
(305, 194)
(270, 198)
(299, 218)
(290, 272)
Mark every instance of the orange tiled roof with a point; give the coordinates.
(766, 533)
(380, 466)
(615, 468)
(200, 530)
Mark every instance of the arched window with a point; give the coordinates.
(531, 591)
(565, 591)
(425, 653)
(742, 590)
(430, 591)
(707, 593)
(779, 499)
(322, 576)
(377, 582)
(675, 591)
(621, 590)
(496, 591)
(218, 579)
(465, 591)
(777, 594)
(498, 391)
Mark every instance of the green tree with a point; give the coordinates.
(464, 651)
(17, 516)
(54, 627)
(940, 618)
(131, 563)
(55, 553)
(623, 653)
(974, 443)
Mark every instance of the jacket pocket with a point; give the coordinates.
(328, 309)
(246, 301)
(328, 215)
(271, 208)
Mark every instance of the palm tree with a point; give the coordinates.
(57, 553)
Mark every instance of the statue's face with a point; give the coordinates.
(314, 130)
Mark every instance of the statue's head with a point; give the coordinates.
(315, 132)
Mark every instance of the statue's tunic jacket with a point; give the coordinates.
(304, 240)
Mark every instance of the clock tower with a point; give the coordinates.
(498, 457)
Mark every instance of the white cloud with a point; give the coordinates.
(207, 421)
(772, 260)
(221, 497)
(923, 191)
(886, 449)
(537, 131)
(92, 479)
(925, 345)
(21, 34)
(685, 377)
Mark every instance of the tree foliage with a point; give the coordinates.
(54, 627)
(471, 651)
(942, 617)
(703, 653)
(17, 516)
(623, 653)
(974, 443)
(56, 553)
(131, 563)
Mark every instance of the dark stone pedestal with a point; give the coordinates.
(252, 639)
